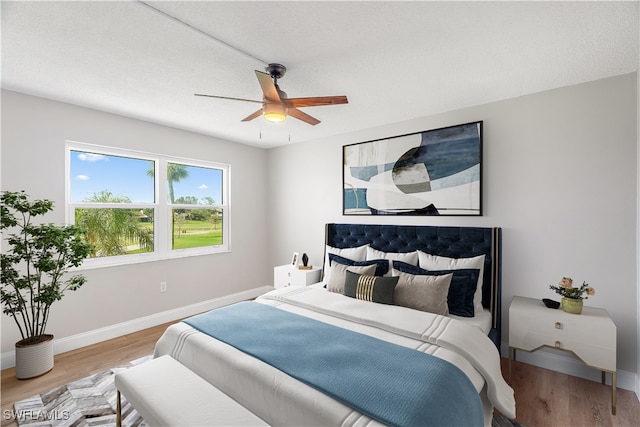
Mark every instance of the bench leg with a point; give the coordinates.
(118, 410)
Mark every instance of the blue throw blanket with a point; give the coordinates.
(393, 384)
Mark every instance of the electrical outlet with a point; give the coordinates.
(163, 286)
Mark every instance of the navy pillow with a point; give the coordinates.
(382, 265)
(370, 288)
(462, 288)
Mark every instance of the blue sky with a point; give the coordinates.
(122, 176)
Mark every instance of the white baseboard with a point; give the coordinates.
(8, 359)
(566, 363)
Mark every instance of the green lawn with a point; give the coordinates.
(186, 240)
(196, 225)
(194, 234)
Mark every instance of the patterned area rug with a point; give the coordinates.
(91, 401)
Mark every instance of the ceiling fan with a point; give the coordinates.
(275, 103)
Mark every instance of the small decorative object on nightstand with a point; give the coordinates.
(305, 263)
(591, 336)
(550, 303)
(572, 297)
(305, 259)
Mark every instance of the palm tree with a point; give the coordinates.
(175, 173)
(108, 229)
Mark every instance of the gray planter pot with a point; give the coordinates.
(33, 360)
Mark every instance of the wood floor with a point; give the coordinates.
(549, 398)
(77, 364)
(543, 397)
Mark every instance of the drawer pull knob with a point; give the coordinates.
(558, 344)
(558, 325)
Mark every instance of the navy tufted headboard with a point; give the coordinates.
(453, 242)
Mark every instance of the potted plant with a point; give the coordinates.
(34, 260)
(572, 297)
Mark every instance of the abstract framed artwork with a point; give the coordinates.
(433, 172)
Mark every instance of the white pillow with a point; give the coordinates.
(339, 275)
(434, 262)
(408, 257)
(355, 254)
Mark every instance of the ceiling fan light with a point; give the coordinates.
(275, 113)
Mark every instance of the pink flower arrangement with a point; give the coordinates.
(566, 289)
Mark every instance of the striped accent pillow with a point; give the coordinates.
(370, 288)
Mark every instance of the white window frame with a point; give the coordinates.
(161, 207)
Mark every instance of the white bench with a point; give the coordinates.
(167, 393)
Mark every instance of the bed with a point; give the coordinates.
(310, 356)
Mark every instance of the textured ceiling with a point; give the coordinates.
(394, 60)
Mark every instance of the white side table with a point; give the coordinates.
(591, 336)
(288, 275)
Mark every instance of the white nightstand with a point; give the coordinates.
(288, 275)
(591, 336)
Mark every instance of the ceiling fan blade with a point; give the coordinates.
(252, 116)
(268, 87)
(295, 113)
(226, 97)
(315, 101)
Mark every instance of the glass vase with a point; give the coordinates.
(572, 305)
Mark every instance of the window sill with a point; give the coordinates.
(97, 263)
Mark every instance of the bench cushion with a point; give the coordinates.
(167, 393)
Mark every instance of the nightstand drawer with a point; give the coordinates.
(287, 275)
(592, 353)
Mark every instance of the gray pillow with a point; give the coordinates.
(424, 293)
(338, 275)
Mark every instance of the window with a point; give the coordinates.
(138, 206)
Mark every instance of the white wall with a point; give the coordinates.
(34, 131)
(560, 177)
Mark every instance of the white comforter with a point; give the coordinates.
(281, 400)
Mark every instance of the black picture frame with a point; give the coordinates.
(432, 172)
